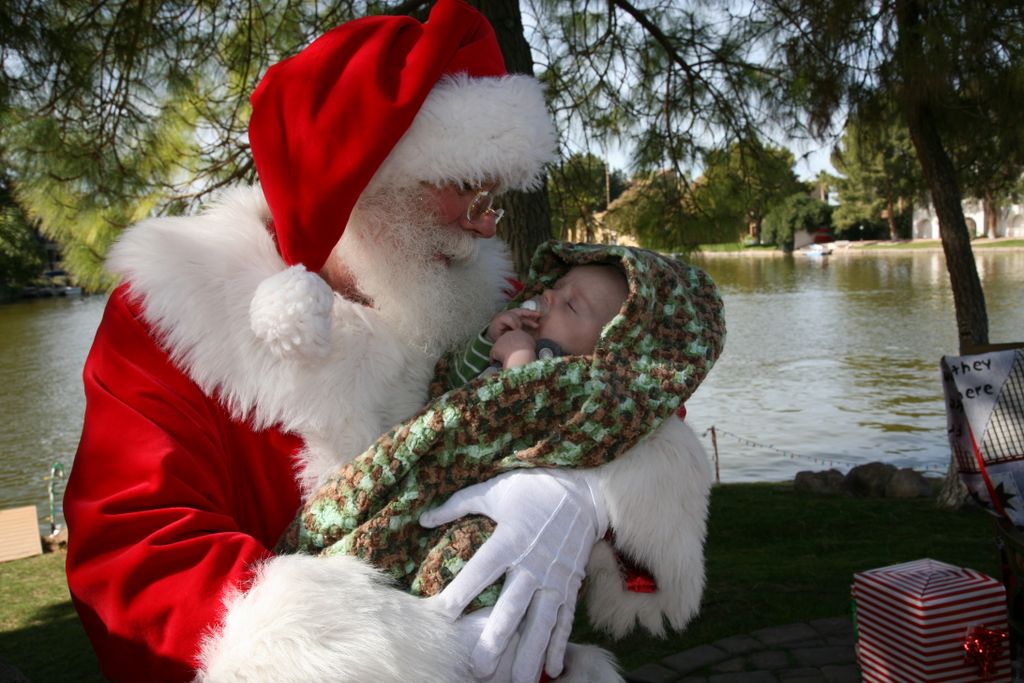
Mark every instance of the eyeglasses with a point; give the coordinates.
(480, 207)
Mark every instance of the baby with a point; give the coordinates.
(564, 320)
(568, 318)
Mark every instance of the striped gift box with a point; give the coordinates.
(912, 619)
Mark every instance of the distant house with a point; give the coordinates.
(605, 235)
(598, 233)
(1009, 222)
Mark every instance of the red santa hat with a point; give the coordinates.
(387, 99)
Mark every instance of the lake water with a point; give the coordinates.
(834, 362)
(827, 364)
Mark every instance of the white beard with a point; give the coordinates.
(428, 281)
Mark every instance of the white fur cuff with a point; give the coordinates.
(334, 619)
(291, 313)
(657, 497)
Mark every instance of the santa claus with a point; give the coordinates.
(254, 348)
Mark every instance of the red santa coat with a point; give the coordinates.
(171, 501)
(198, 442)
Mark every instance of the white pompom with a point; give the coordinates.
(291, 313)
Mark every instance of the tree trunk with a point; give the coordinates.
(890, 218)
(990, 208)
(940, 177)
(528, 223)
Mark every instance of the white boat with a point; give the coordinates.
(816, 250)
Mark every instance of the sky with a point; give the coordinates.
(812, 159)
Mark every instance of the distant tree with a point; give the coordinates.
(22, 257)
(741, 185)
(796, 212)
(990, 165)
(658, 210)
(880, 177)
(579, 188)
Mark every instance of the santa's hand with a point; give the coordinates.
(468, 628)
(547, 523)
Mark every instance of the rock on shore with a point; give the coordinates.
(874, 479)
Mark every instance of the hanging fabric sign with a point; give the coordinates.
(985, 421)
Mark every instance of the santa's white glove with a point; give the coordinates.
(547, 522)
(469, 627)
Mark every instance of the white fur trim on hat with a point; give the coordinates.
(291, 313)
(476, 130)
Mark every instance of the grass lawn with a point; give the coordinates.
(39, 629)
(774, 557)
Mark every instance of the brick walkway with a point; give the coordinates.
(819, 651)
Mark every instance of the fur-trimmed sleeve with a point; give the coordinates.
(657, 497)
(311, 618)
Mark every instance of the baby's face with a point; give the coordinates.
(580, 304)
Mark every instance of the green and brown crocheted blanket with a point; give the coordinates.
(571, 411)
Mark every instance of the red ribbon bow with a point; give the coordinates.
(983, 648)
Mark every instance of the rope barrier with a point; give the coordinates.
(825, 459)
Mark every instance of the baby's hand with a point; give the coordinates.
(513, 319)
(514, 348)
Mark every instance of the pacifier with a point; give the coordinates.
(537, 303)
(547, 348)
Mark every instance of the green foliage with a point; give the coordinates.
(670, 79)
(741, 185)
(114, 111)
(654, 210)
(578, 188)
(990, 159)
(837, 56)
(796, 212)
(84, 201)
(22, 257)
(881, 178)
